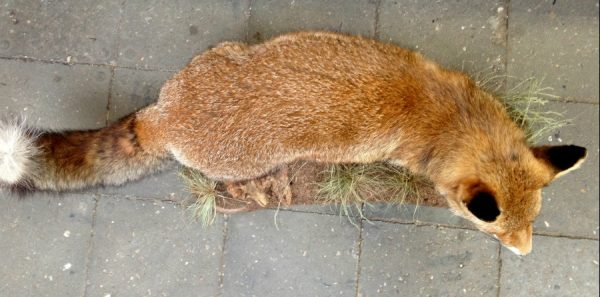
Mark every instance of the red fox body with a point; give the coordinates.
(237, 112)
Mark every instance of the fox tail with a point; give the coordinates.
(70, 160)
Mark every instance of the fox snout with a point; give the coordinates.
(519, 242)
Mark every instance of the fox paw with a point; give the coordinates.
(275, 186)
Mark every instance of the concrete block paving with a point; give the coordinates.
(84, 64)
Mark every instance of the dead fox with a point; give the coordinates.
(239, 111)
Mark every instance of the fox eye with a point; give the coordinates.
(484, 206)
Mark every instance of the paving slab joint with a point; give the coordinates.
(90, 246)
(222, 258)
(498, 282)
(359, 254)
(376, 21)
(139, 198)
(247, 37)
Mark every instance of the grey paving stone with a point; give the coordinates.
(68, 31)
(165, 185)
(53, 96)
(323, 209)
(133, 89)
(558, 41)
(329, 209)
(556, 267)
(570, 205)
(44, 242)
(166, 34)
(143, 248)
(415, 214)
(303, 255)
(403, 260)
(269, 18)
(466, 35)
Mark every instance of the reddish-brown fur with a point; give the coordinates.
(77, 159)
(237, 112)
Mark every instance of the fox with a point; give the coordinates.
(237, 112)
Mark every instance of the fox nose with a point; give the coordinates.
(519, 242)
(519, 252)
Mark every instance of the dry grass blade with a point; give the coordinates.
(205, 193)
(525, 103)
(342, 186)
(350, 186)
(399, 183)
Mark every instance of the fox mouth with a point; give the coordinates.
(511, 248)
(515, 250)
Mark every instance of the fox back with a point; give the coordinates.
(237, 112)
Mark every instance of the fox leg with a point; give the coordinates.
(277, 183)
(247, 189)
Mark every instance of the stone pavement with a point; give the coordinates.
(83, 64)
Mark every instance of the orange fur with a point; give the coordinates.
(237, 112)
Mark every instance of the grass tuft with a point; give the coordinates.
(344, 186)
(525, 102)
(205, 194)
(350, 186)
(399, 183)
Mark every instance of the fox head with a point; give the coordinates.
(503, 196)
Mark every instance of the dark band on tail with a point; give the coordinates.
(71, 160)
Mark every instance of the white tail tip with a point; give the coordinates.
(17, 152)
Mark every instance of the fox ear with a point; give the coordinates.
(478, 199)
(561, 159)
(484, 206)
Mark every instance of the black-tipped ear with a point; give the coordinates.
(484, 206)
(561, 158)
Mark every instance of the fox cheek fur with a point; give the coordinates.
(507, 212)
(237, 111)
